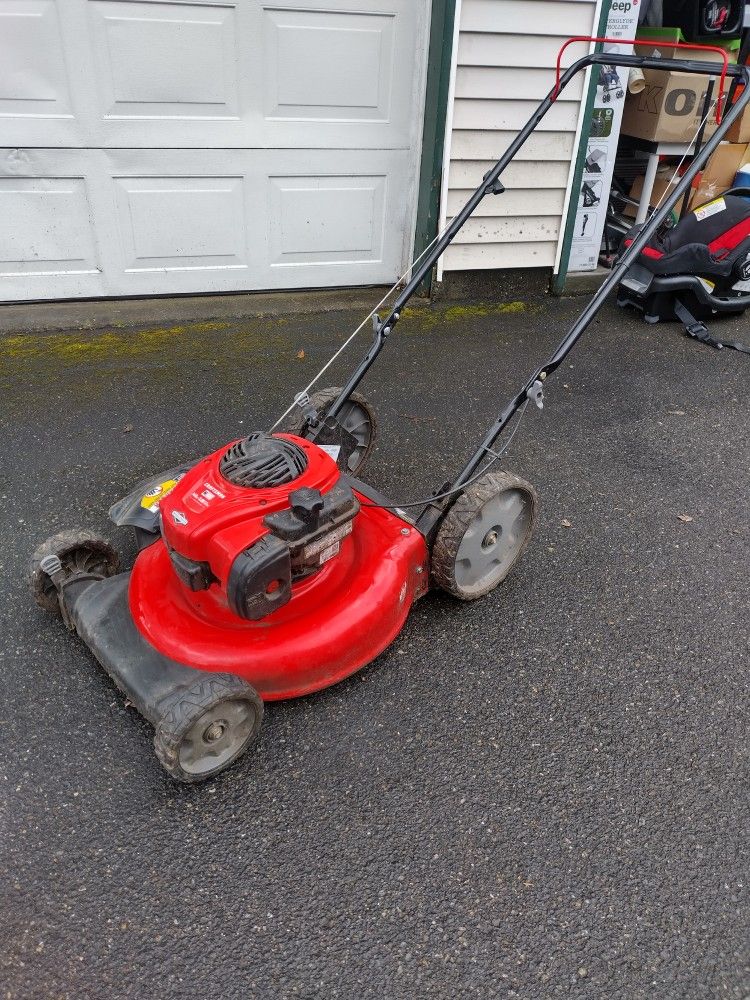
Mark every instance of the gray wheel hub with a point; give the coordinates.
(217, 736)
(493, 539)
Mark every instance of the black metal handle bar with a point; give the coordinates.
(490, 182)
(430, 517)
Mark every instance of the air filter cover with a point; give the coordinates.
(262, 462)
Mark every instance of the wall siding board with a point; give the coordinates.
(473, 256)
(505, 65)
(550, 17)
(475, 49)
(513, 202)
(540, 147)
(501, 82)
(531, 178)
(521, 229)
(505, 115)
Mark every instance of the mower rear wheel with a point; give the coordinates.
(483, 535)
(208, 727)
(357, 416)
(79, 551)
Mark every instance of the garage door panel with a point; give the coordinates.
(326, 218)
(52, 241)
(328, 65)
(34, 80)
(160, 60)
(335, 75)
(177, 223)
(338, 221)
(47, 226)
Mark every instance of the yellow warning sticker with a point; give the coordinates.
(709, 209)
(151, 500)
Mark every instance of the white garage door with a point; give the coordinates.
(153, 147)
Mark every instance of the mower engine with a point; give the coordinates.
(254, 518)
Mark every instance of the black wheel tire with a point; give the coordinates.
(357, 416)
(222, 703)
(79, 551)
(498, 504)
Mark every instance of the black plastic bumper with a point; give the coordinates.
(101, 614)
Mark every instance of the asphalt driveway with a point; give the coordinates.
(541, 794)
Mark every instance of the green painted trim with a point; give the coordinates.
(433, 132)
(557, 285)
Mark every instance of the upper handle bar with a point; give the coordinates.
(646, 41)
(487, 185)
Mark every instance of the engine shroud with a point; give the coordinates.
(262, 461)
(208, 518)
(337, 619)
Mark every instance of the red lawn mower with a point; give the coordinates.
(269, 570)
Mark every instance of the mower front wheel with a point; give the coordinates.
(208, 727)
(79, 551)
(357, 417)
(483, 535)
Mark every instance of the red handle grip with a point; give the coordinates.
(648, 41)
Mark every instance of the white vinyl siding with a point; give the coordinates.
(504, 66)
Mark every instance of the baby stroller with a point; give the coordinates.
(610, 81)
(590, 195)
(594, 160)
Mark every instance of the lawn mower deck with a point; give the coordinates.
(336, 619)
(266, 570)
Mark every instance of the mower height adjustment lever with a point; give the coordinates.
(311, 415)
(535, 393)
(52, 567)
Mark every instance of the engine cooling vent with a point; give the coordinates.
(261, 462)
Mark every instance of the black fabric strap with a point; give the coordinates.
(694, 328)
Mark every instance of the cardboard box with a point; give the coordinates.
(740, 130)
(670, 107)
(662, 187)
(718, 174)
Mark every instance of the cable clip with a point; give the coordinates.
(301, 399)
(494, 187)
(535, 393)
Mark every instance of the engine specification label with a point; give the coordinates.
(329, 544)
